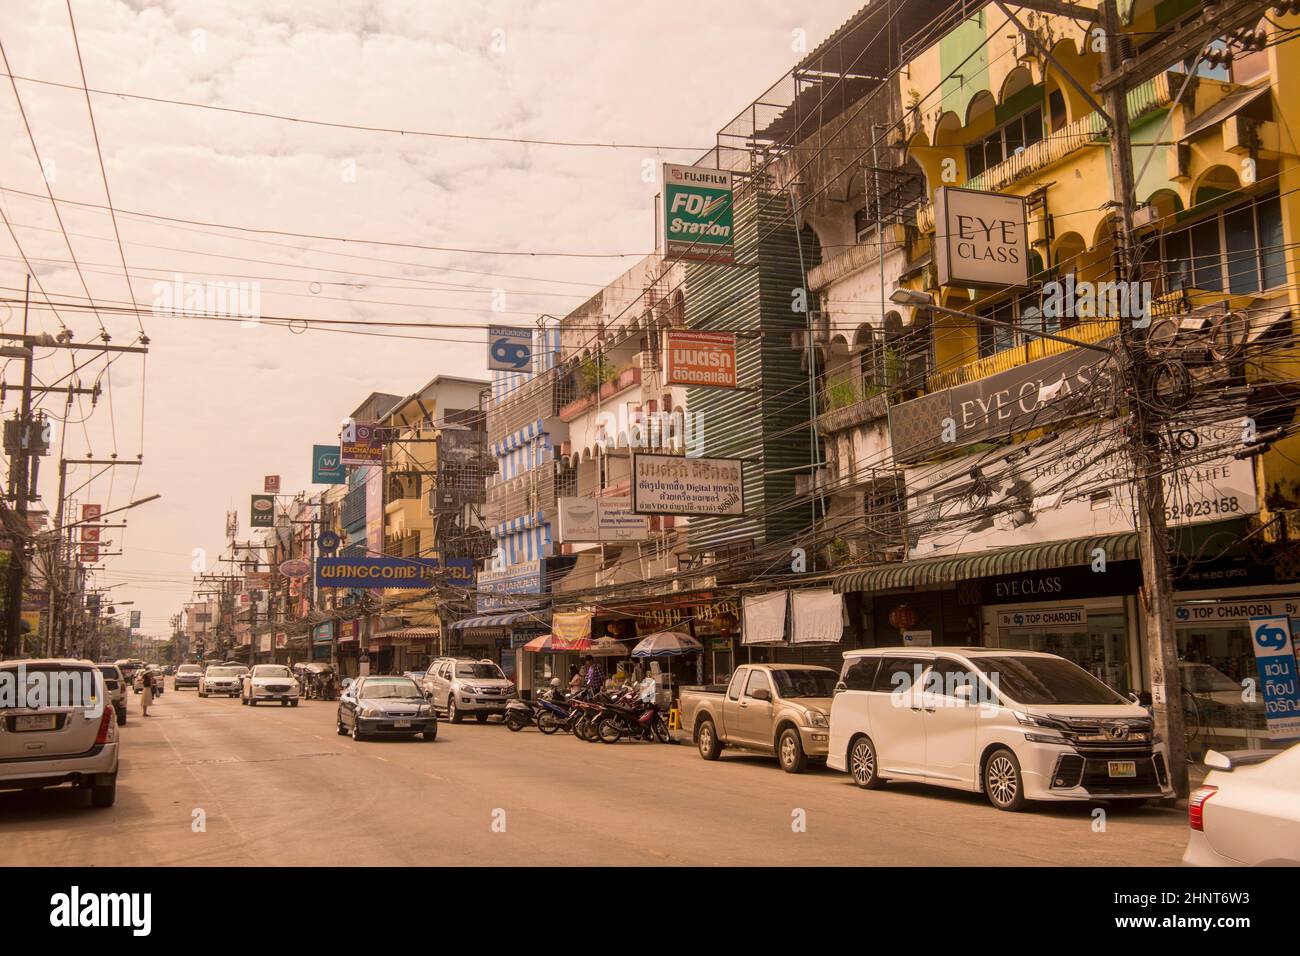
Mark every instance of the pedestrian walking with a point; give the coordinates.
(146, 691)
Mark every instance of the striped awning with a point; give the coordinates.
(540, 618)
(949, 569)
(412, 633)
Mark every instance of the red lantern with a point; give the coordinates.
(902, 617)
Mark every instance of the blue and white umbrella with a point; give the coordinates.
(667, 644)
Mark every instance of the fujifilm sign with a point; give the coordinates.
(980, 239)
(697, 214)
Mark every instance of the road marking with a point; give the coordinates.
(377, 757)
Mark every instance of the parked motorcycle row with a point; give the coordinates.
(607, 717)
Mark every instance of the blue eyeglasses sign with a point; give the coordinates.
(1279, 675)
(326, 465)
(328, 542)
(509, 349)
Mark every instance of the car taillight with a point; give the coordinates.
(1196, 806)
(106, 724)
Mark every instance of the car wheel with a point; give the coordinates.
(202, 694)
(862, 764)
(343, 731)
(706, 738)
(252, 701)
(104, 795)
(454, 715)
(356, 731)
(789, 750)
(481, 718)
(431, 734)
(284, 703)
(1003, 784)
(294, 702)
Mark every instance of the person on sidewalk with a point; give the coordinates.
(146, 691)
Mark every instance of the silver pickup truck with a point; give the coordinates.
(781, 709)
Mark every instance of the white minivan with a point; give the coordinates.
(1014, 725)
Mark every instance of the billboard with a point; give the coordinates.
(697, 214)
(271, 484)
(262, 511)
(326, 465)
(90, 533)
(673, 485)
(981, 239)
(591, 520)
(1279, 680)
(360, 444)
(700, 358)
(379, 573)
(528, 579)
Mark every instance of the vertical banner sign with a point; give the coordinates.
(697, 214)
(271, 484)
(326, 465)
(262, 511)
(135, 619)
(90, 533)
(509, 349)
(1279, 680)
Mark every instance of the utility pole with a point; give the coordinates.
(19, 465)
(1156, 599)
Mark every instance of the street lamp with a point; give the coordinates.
(923, 300)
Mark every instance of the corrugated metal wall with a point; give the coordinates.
(761, 420)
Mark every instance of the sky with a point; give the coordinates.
(348, 215)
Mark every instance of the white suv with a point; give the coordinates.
(57, 726)
(457, 686)
(1014, 725)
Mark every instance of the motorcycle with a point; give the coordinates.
(553, 714)
(519, 714)
(631, 717)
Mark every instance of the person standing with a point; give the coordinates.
(595, 675)
(146, 691)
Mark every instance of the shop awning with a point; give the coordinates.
(412, 633)
(952, 568)
(1233, 103)
(540, 618)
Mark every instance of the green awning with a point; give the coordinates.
(949, 569)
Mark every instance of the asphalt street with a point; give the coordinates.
(210, 782)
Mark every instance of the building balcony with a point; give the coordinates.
(1089, 330)
(538, 399)
(529, 494)
(850, 400)
(624, 378)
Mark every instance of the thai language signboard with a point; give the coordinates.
(607, 520)
(700, 358)
(673, 485)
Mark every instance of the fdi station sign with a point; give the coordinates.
(697, 214)
(700, 358)
(981, 239)
(674, 485)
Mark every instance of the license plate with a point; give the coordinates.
(35, 722)
(401, 723)
(1122, 768)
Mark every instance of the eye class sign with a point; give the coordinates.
(982, 239)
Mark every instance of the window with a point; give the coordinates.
(947, 675)
(733, 692)
(1056, 110)
(860, 674)
(897, 673)
(1005, 141)
(757, 681)
(1239, 250)
(994, 338)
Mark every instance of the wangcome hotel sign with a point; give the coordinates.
(391, 572)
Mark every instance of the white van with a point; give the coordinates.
(1014, 725)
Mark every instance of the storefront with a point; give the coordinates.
(349, 648)
(498, 638)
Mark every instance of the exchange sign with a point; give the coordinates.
(697, 214)
(510, 349)
(361, 445)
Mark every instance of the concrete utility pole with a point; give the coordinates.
(1157, 597)
(19, 465)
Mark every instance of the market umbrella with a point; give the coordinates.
(667, 644)
(606, 647)
(550, 644)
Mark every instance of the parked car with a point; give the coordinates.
(386, 705)
(780, 709)
(1247, 813)
(66, 737)
(267, 683)
(460, 686)
(1014, 725)
(187, 675)
(130, 666)
(219, 679)
(115, 687)
(137, 684)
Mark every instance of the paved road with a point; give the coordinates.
(279, 786)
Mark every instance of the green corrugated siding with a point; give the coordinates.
(750, 296)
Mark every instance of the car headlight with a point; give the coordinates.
(817, 719)
(1031, 720)
(367, 711)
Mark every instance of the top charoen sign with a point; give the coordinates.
(697, 214)
(981, 239)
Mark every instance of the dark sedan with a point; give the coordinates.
(386, 706)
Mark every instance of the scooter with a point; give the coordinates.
(519, 714)
(553, 713)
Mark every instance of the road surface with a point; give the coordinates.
(211, 782)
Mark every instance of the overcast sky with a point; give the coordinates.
(218, 405)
